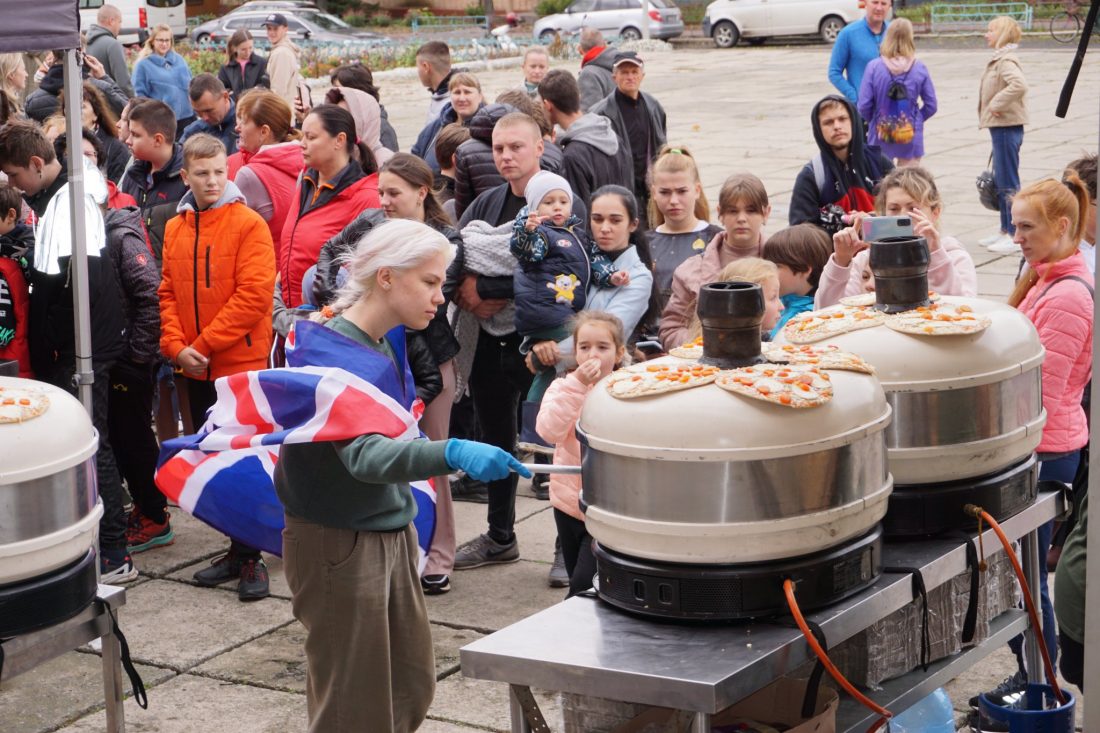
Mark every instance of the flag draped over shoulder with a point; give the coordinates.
(335, 389)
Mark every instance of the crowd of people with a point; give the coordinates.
(528, 244)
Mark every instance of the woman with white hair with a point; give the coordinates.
(349, 546)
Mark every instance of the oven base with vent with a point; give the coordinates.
(701, 592)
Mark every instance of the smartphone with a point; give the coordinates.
(880, 227)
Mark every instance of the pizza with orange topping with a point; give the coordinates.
(18, 404)
(806, 328)
(939, 319)
(643, 380)
(822, 357)
(794, 385)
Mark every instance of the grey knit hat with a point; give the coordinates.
(543, 183)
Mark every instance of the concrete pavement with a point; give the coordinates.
(214, 664)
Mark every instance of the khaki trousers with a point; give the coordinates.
(369, 660)
(436, 424)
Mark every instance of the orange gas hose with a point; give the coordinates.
(1037, 627)
(792, 603)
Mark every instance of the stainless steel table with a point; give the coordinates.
(25, 652)
(584, 646)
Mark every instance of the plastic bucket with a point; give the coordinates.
(1033, 716)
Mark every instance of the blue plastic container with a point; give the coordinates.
(932, 714)
(1032, 717)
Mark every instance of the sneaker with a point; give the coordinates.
(1004, 246)
(222, 570)
(558, 577)
(471, 490)
(986, 241)
(435, 585)
(1010, 690)
(484, 550)
(540, 486)
(144, 534)
(115, 566)
(254, 581)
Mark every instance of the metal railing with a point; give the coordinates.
(449, 23)
(955, 16)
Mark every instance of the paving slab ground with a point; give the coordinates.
(213, 664)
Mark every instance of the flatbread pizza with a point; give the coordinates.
(643, 380)
(806, 328)
(794, 385)
(822, 357)
(939, 320)
(692, 350)
(864, 300)
(19, 404)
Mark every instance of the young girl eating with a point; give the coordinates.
(679, 211)
(600, 348)
(743, 209)
(908, 192)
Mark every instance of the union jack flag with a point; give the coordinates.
(335, 389)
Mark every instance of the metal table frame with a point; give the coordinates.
(584, 646)
(27, 651)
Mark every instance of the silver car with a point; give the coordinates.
(615, 18)
(304, 24)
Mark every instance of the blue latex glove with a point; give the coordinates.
(481, 461)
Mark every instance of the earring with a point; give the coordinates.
(385, 286)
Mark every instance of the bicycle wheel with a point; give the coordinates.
(1064, 27)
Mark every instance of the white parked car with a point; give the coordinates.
(728, 21)
(614, 18)
(139, 17)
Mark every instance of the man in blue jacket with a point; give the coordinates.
(856, 46)
(215, 110)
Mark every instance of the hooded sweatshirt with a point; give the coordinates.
(594, 78)
(218, 280)
(827, 180)
(367, 114)
(108, 51)
(593, 156)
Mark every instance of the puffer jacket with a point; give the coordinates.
(137, 273)
(157, 194)
(1003, 90)
(224, 314)
(690, 276)
(1061, 311)
(556, 424)
(475, 171)
(46, 99)
(950, 272)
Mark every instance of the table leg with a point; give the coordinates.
(112, 683)
(519, 720)
(1029, 548)
(701, 723)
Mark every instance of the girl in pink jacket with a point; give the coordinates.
(909, 191)
(600, 347)
(1056, 294)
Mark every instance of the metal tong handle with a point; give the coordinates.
(550, 468)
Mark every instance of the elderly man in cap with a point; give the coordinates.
(282, 60)
(638, 120)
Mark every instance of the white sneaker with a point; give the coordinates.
(991, 239)
(1005, 246)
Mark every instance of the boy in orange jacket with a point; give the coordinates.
(216, 291)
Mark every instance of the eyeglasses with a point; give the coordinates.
(162, 40)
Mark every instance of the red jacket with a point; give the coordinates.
(278, 168)
(14, 312)
(1062, 314)
(117, 199)
(303, 236)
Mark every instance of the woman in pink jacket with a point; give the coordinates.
(912, 192)
(600, 347)
(743, 209)
(1056, 294)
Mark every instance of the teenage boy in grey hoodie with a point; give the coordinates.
(593, 155)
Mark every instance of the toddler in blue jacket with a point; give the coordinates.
(555, 263)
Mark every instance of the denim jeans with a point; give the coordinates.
(1006, 169)
(1062, 469)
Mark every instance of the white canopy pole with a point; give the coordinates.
(78, 268)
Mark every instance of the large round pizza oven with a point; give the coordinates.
(968, 411)
(702, 502)
(49, 509)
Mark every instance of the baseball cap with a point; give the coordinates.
(275, 19)
(628, 57)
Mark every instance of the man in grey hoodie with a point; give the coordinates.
(593, 155)
(103, 44)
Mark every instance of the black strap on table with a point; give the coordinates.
(813, 684)
(919, 592)
(970, 623)
(136, 683)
